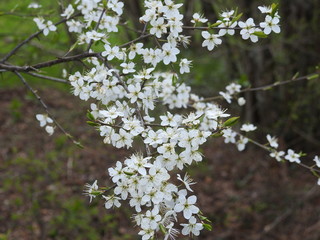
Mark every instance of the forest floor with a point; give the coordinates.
(246, 195)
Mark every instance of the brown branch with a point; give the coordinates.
(48, 77)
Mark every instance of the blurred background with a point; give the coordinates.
(247, 195)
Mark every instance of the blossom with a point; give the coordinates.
(317, 161)
(270, 24)
(90, 190)
(265, 9)
(169, 53)
(111, 201)
(211, 40)
(45, 27)
(187, 206)
(43, 119)
(241, 101)
(49, 130)
(68, 11)
(248, 30)
(34, 5)
(248, 127)
(184, 65)
(187, 181)
(272, 141)
(192, 227)
(196, 17)
(241, 143)
(292, 156)
(277, 155)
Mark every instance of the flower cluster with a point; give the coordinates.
(133, 101)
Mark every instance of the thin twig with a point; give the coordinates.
(48, 77)
(70, 137)
(264, 88)
(312, 169)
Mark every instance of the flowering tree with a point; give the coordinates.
(138, 94)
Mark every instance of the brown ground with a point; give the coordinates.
(246, 195)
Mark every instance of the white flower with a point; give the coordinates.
(265, 9)
(226, 96)
(90, 190)
(248, 30)
(192, 227)
(187, 206)
(233, 88)
(169, 53)
(272, 141)
(45, 27)
(68, 12)
(49, 130)
(34, 5)
(317, 161)
(229, 135)
(187, 181)
(241, 101)
(111, 201)
(198, 18)
(248, 127)
(184, 66)
(292, 156)
(241, 143)
(128, 67)
(277, 155)
(43, 119)
(270, 24)
(211, 40)
(158, 27)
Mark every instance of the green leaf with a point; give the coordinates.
(230, 122)
(94, 124)
(216, 135)
(260, 34)
(78, 144)
(274, 7)
(90, 116)
(214, 25)
(207, 227)
(237, 17)
(203, 218)
(313, 76)
(128, 173)
(295, 76)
